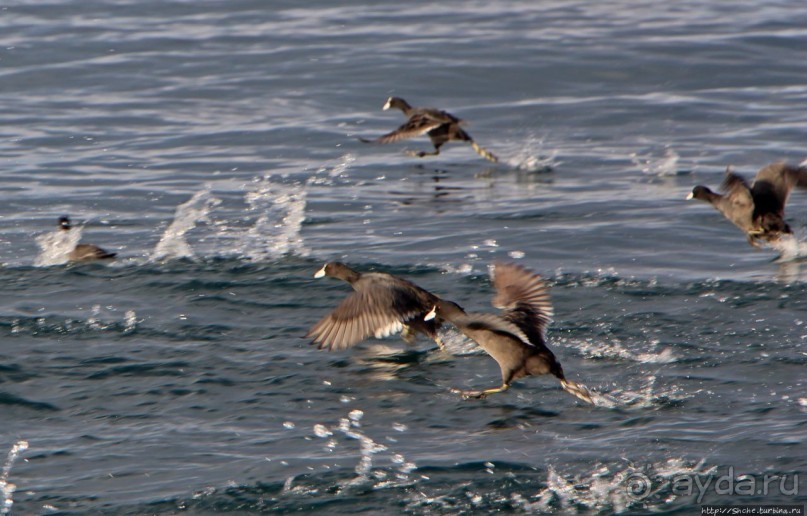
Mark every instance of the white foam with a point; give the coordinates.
(173, 243)
(54, 247)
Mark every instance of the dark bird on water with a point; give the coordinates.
(440, 126)
(758, 209)
(381, 305)
(84, 252)
(516, 337)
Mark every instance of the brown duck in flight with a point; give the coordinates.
(381, 305)
(516, 337)
(440, 126)
(758, 209)
(84, 252)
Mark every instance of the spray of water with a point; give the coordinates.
(667, 165)
(350, 427)
(173, 243)
(7, 488)
(612, 488)
(54, 247)
(528, 158)
(281, 213)
(789, 248)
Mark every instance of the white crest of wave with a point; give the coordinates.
(173, 243)
(277, 229)
(54, 247)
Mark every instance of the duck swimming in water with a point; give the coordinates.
(758, 209)
(439, 126)
(84, 252)
(381, 305)
(516, 337)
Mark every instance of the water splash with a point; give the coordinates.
(130, 321)
(613, 488)
(528, 160)
(789, 248)
(277, 229)
(592, 348)
(645, 396)
(98, 319)
(664, 166)
(173, 243)
(335, 169)
(54, 247)
(350, 427)
(7, 488)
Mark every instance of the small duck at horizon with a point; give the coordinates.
(84, 252)
(516, 337)
(759, 209)
(440, 126)
(381, 305)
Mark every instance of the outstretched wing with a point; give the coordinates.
(417, 125)
(737, 203)
(773, 183)
(523, 297)
(496, 324)
(376, 311)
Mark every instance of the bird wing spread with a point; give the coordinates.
(497, 324)
(737, 203)
(523, 297)
(376, 312)
(417, 125)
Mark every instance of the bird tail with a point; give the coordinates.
(484, 152)
(577, 389)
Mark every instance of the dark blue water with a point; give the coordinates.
(213, 145)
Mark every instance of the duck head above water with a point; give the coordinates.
(702, 193)
(398, 103)
(64, 223)
(338, 270)
(446, 310)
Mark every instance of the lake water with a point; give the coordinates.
(214, 146)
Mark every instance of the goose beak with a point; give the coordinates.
(387, 104)
(320, 273)
(431, 315)
(689, 196)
